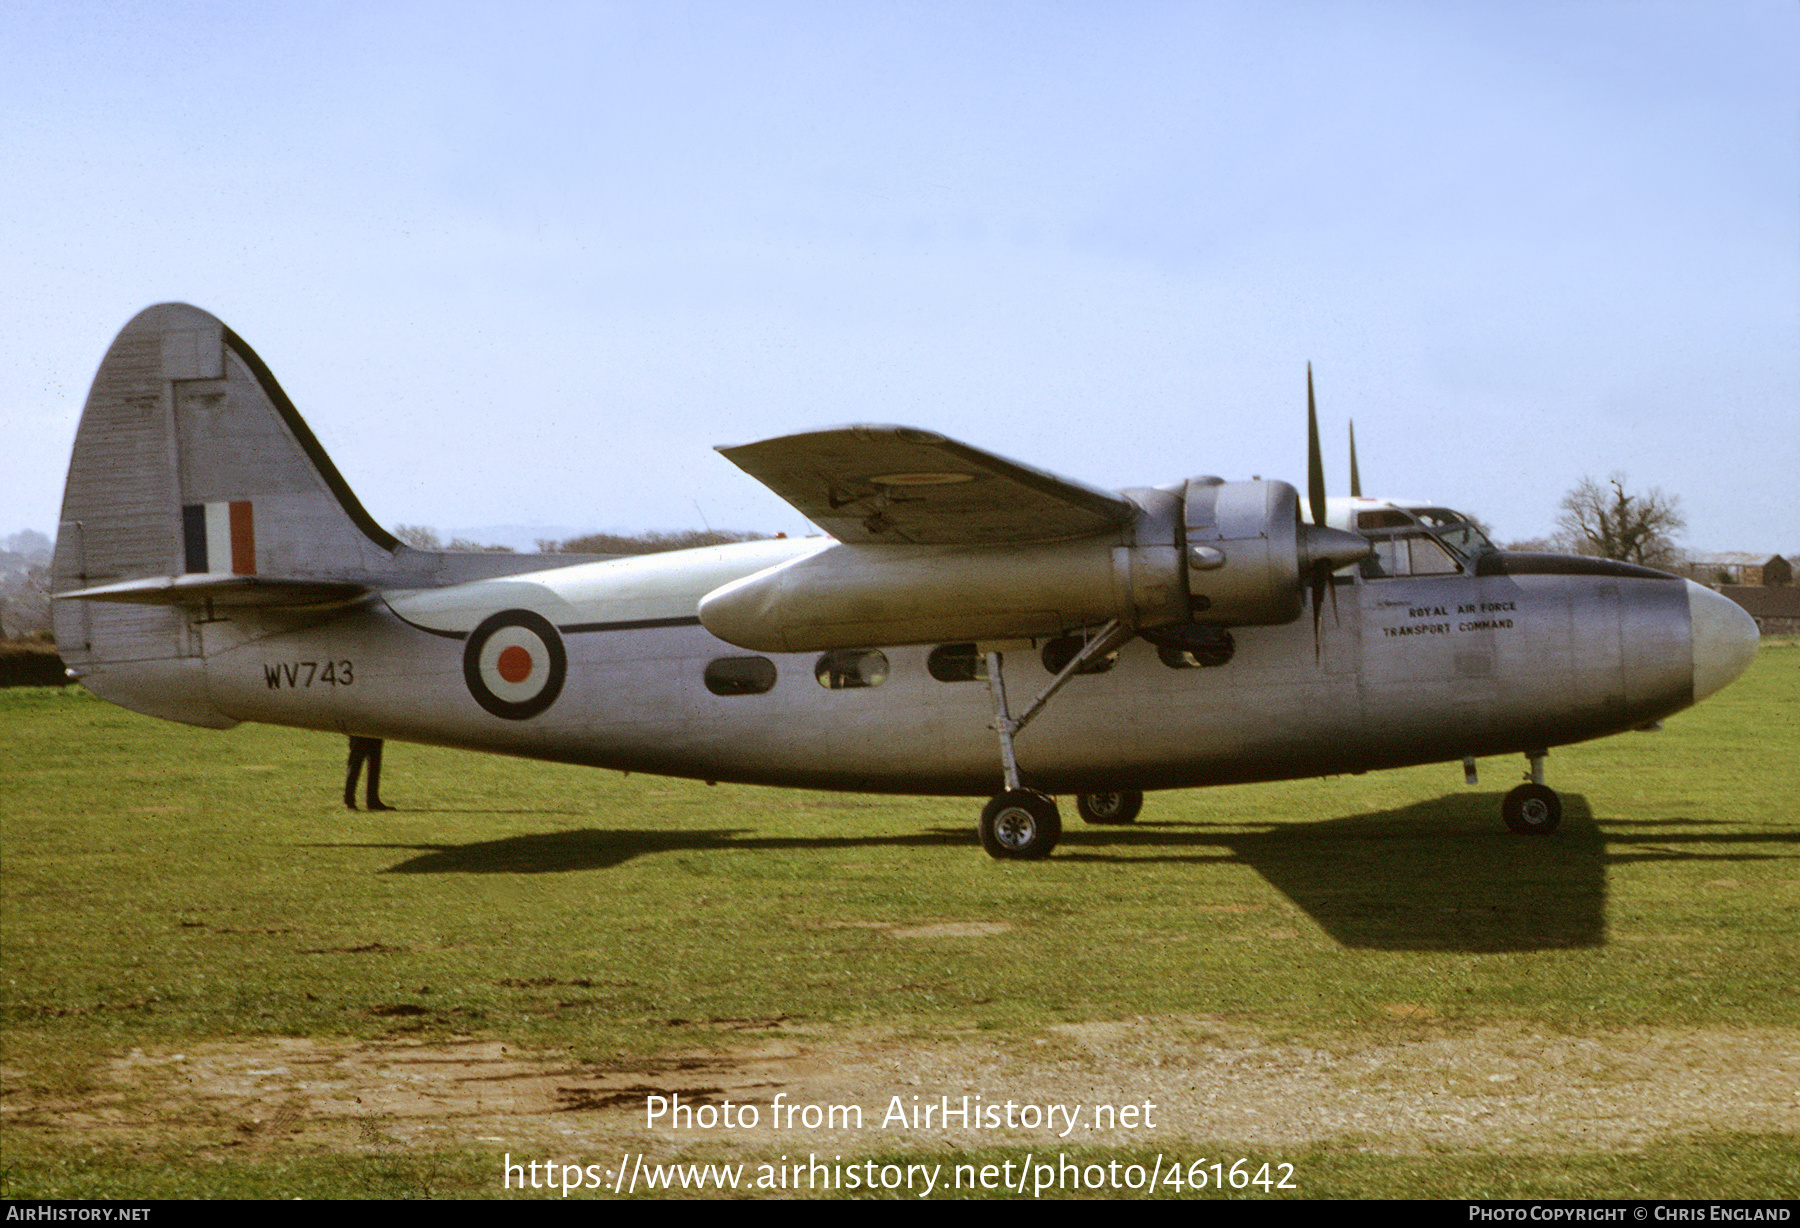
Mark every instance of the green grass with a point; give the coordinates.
(166, 886)
(1710, 1167)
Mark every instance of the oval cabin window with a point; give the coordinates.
(846, 668)
(956, 663)
(740, 675)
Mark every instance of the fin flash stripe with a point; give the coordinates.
(215, 535)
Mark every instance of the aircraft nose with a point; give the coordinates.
(1725, 639)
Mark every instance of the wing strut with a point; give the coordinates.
(1110, 638)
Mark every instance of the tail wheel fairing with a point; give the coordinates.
(515, 664)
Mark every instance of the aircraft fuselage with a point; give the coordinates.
(1406, 670)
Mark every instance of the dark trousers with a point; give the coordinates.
(364, 750)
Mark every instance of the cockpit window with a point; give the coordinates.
(1412, 542)
(1457, 531)
(1406, 554)
(1382, 518)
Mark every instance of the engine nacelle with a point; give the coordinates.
(852, 596)
(1250, 557)
(1210, 552)
(1243, 552)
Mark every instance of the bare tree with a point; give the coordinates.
(1606, 522)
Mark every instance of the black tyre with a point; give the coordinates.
(1020, 825)
(1534, 810)
(1109, 809)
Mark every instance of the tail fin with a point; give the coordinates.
(191, 471)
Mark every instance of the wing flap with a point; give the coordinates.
(872, 484)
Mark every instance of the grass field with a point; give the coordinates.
(218, 982)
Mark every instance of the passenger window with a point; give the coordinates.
(740, 675)
(845, 668)
(956, 663)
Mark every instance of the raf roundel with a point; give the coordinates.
(515, 664)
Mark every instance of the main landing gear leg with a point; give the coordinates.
(1022, 823)
(1018, 824)
(1533, 808)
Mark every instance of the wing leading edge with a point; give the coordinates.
(873, 484)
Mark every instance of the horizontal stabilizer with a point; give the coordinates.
(223, 589)
(875, 484)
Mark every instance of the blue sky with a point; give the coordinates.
(528, 265)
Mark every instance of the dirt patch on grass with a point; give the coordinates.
(1504, 1089)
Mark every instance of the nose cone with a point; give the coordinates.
(1725, 639)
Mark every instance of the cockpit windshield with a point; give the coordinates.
(1455, 530)
(1419, 541)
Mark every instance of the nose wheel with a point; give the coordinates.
(1020, 825)
(1533, 810)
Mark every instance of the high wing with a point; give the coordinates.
(870, 484)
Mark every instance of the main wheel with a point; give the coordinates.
(1532, 809)
(1109, 809)
(1020, 825)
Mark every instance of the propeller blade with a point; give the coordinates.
(1320, 579)
(1315, 462)
(1322, 551)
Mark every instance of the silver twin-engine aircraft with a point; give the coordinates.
(970, 625)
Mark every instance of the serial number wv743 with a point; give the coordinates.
(298, 674)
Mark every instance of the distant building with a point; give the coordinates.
(1727, 567)
(1775, 607)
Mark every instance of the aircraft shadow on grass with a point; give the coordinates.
(1440, 875)
(561, 852)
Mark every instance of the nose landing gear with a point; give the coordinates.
(1533, 809)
